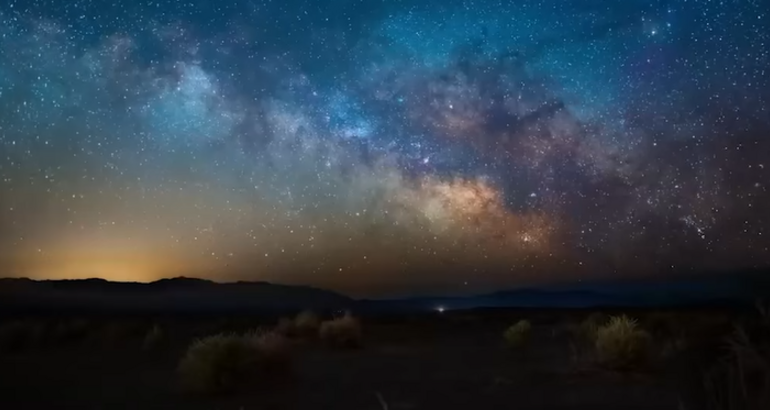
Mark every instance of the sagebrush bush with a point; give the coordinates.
(518, 334)
(306, 324)
(621, 343)
(274, 349)
(153, 338)
(230, 362)
(344, 331)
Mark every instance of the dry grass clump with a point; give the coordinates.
(518, 334)
(621, 343)
(230, 362)
(274, 348)
(306, 324)
(344, 332)
(153, 338)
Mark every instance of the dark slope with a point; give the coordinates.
(733, 288)
(188, 294)
(179, 294)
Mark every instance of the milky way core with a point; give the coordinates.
(373, 146)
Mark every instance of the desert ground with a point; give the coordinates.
(449, 360)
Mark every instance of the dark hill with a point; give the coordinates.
(200, 295)
(179, 294)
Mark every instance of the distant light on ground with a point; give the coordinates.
(440, 309)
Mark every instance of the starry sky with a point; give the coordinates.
(373, 146)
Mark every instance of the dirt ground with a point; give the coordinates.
(438, 362)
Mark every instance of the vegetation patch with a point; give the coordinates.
(518, 334)
(343, 332)
(306, 324)
(621, 343)
(230, 362)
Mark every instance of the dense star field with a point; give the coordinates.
(381, 145)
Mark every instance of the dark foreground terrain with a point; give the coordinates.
(450, 360)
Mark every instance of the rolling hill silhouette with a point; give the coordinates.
(190, 294)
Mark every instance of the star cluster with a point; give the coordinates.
(376, 146)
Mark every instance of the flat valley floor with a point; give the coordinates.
(450, 361)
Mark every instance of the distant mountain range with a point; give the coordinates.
(178, 294)
(742, 287)
(186, 294)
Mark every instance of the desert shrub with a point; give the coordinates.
(621, 343)
(518, 334)
(230, 362)
(274, 349)
(306, 324)
(153, 338)
(344, 331)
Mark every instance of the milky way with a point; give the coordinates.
(377, 146)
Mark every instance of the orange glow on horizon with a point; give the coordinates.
(111, 257)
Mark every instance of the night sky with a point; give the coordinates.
(374, 146)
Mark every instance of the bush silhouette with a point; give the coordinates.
(229, 362)
(306, 324)
(621, 344)
(518, 334)
(342, 332)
